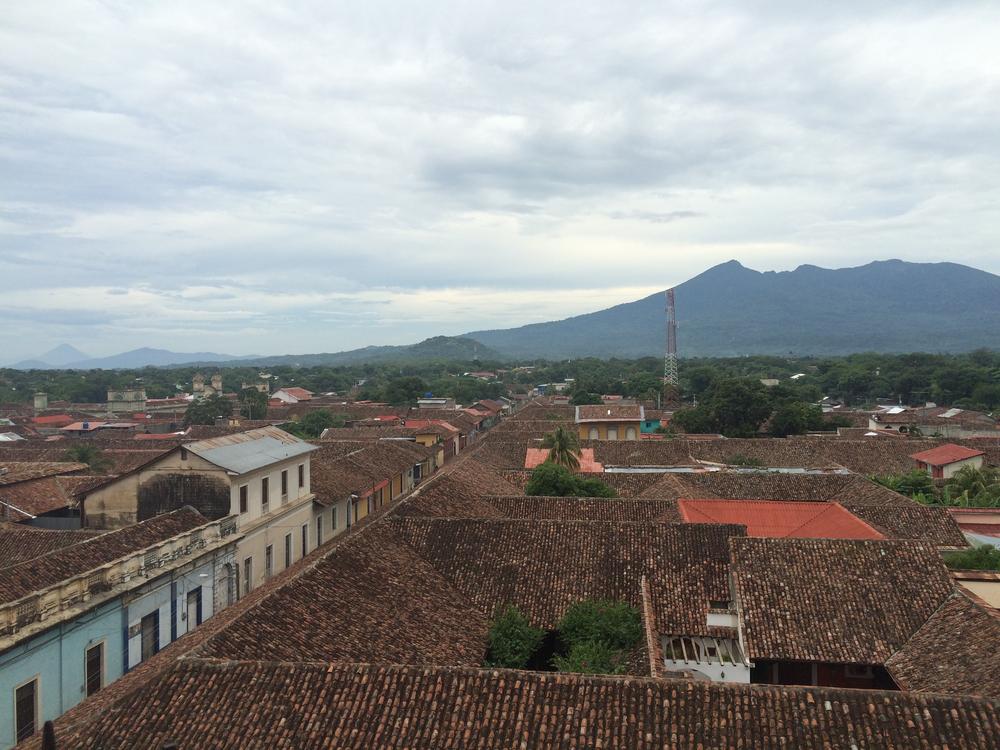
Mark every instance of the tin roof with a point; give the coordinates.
(247, 451)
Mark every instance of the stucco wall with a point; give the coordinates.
(58, 658)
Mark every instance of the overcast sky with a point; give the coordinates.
(274, 177)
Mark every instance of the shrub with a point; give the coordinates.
(984, 557)
(740, 460)
(591, 657)
(549, 479)
(593, 488)
(615, 624)
(513, 640)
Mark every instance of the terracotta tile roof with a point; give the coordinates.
(544, 566)
(609, 413)
(374, 600)
(536, 456)
(19, 543)
(36, 497)
(772, 519)
(22, 471)
(252, 704)
(20, 580)
(946, 454)
(954, 651)
(917, 522)
(847, 601)
(587, 509)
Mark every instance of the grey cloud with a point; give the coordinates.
(353, 149)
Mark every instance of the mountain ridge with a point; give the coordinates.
(731, 310)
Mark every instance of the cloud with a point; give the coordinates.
(259, 176)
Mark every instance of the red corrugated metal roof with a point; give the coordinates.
(775, 519)
(946, 454)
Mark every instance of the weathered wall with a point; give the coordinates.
(162, 493)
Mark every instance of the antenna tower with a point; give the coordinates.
(670, 378)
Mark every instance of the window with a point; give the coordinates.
(319, 530)
(244, 498)
(269, 561)
(305, 539)
(26, 710)
(302, 475)
(149, 629)
(95, 668)
(333, 519)
(630, 433)
(247, 575)
(184, 454)
(284, 483)
(193, 616)
(288, 550)
(593, 434)
(612, 433)
(263, 494)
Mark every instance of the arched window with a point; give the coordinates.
(593, 433)
(630, 433)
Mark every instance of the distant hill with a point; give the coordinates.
(730, 310)
(60, 356)
(438, 347)
(144, 357)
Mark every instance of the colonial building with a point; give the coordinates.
(262, 477)
(609, 422)
(78, 610)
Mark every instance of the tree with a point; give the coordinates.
(253, 403)
(404, 390)
(615, 623)
(796, 418)
(598, 636)
(513, 640)
(915, 483)
(735, 407)
(207, 410)
(582, 398)
(89, 454)
(564, 448)
(973, 488)
(312, 424)
(552, 480)
(693, 421)
(591, 657)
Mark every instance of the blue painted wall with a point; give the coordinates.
(57, 657)
(650, 425)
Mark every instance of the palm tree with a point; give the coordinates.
(974, 487)
(564, 448)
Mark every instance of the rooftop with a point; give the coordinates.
(244, 452)
(363, 706)
(21, 579)
(780, 519)
(609, 413)
(946, 454)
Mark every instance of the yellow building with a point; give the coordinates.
(609, 422)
